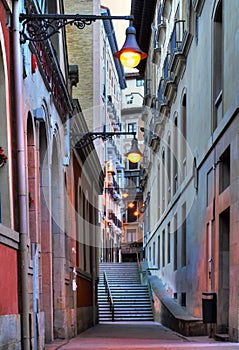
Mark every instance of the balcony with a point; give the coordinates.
(147, 93)
(163, 105)
(52, 76)
(111, 109)
(169, 86)
(179, 46)
(113, 219)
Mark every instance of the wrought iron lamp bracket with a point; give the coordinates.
(87, 138)
(39, 27)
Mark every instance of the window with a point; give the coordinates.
(175, 156)
(131, 235)
(159, 247)
(175, 248)
(184, 136)
(210, 186)
(183, 299)
(139, 82)
(217, 64)
(163, 180)
(169, 244)
(224, 170)
(158, 193)
(184, 235)
(154, 253)
(169, 169)
(132, 127)
(129, 99)
(163, 248)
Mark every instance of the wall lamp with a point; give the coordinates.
(134, 155)
(39, 27)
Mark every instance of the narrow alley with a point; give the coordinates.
(138, 336)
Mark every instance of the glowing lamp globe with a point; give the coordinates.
(134, 155)
(130, 55)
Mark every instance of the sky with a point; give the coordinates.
(121, 8)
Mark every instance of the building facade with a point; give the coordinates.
(9, 236)
(191, 153)
(45, 215)
(133, 210)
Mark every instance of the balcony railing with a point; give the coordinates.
(177, 35)
(52, 76)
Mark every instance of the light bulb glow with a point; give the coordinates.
(130, 59)
(134, 157)
(125, 195)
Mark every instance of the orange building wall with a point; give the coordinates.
(8, 281)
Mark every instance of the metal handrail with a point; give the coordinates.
(143, 277)
(109, 295)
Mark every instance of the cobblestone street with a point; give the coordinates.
(138, 336)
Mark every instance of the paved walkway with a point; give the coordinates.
(137, 336)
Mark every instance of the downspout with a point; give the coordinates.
(21, 176)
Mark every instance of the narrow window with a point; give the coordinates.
(184, 136)
(154, 253)
(175, 156)
(163, 248)
(159, 255)
(224, 170)
(184, 235)
(163, 181)
(183, 299)
(210, 186)
(217, 64)
(169, 244)
(169, 169)
(175, 248)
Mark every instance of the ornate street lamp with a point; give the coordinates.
(39, 27)
(134, 155)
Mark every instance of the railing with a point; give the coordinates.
(177, 35)
(109, 295)
(144, 278)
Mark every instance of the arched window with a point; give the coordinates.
(175, 156)
(169, 175)
(6, 207)
(31, 167)
(163, 180)
(183, 141)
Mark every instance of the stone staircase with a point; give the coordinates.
(131, 298)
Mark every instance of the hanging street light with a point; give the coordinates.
(39, 27)
(130, 55)
(134, 155)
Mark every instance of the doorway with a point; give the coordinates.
(224, 260)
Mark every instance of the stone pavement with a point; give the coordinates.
(137, 336)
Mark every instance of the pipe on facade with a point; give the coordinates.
(21, 175)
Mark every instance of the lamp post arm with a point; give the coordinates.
(42, 26)
(87, 138)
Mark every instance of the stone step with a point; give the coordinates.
(120, 303)
(131, 299)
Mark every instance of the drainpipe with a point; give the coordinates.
(21, 176)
